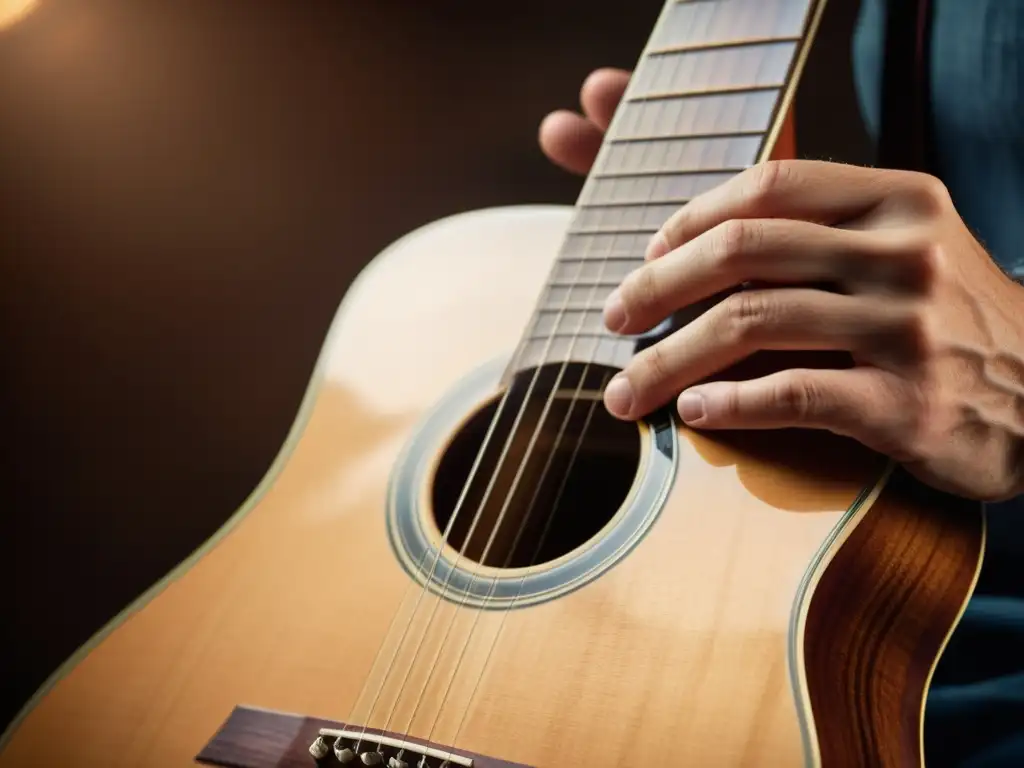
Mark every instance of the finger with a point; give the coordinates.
(865, 404)
(747, 322)
(827, 193)
(763, 251)
(601, 93)
(570, 141)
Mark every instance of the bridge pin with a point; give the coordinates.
(319, 749)
(370, 758)
(343, 753)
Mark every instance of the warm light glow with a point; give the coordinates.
(13, 11)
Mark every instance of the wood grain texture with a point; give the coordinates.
(879, 617)
(680, 653)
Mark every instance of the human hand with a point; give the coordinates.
(572, 140)
(935, 329)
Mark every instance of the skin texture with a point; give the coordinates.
(935, 329)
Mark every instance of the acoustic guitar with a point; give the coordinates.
(459, 558)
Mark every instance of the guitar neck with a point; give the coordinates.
(706, 101)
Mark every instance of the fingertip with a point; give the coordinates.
(601, 93)
(614, 312)
(618, 397)
(553, 125)
(708, 406)
(657, 246)
(601, 79)
(569, 140)
(691, 407)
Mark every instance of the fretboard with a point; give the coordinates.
(705, 102)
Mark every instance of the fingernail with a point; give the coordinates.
(657, 247)
(618, 396)
(614, 312)
(691, 407)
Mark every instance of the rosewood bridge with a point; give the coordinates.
(260, 738)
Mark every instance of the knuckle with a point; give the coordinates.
(929, 193)
(741, 239)
(767, 177)
(917, 261)
(930, 263)
(796, 399)
(747, 313)
(730, 240)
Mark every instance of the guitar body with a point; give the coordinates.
(773, 599)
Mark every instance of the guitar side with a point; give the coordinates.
(785, 608)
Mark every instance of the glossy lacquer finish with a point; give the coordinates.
(709, 645)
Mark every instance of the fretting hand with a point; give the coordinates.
(936, 330)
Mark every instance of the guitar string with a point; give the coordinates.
(589, 304)
(495, 419)
(542, 540)
(501, 625)
(466, 488)
(524, 344)
(509, 442)
(483, 448)
(459, 505)
(521, 470)
(582, 380)
(583, 261)
(601, 271)
(411, 585)
(494, 582)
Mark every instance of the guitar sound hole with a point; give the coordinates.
(543, 500)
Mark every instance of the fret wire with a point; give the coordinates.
(681, 172)
(642, 190)
(569, 283)
(718, 68)
(582, 335)
(579, 307)
(570, 259)
(573, 308)
(688, 136)
(720, 91)
(678, 201)
(713, 153)
(614, 231)
(715, 45)
(708, 115)
(613, 351)
(702, 22)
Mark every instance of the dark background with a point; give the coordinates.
(187, 189)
